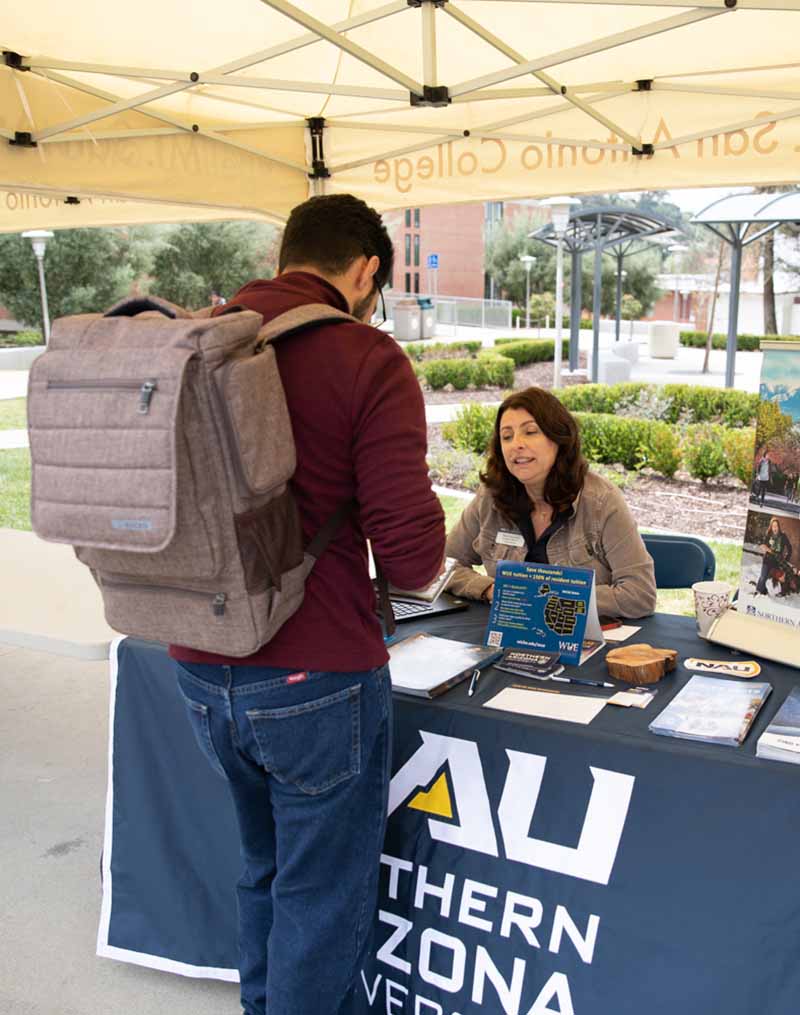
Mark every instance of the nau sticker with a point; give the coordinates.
(725, 668)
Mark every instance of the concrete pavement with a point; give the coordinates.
(53, 730)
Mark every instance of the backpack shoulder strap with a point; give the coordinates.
(298, 319)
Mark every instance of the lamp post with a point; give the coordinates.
(39, 238)
(528, 260)
(675, 249)
(559, 211)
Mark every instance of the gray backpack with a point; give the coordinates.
(162, 450)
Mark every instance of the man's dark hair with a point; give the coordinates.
(330, 232)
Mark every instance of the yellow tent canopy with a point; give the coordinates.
(251, 106)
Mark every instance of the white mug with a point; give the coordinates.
(710, 599)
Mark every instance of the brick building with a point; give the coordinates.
(457, 233)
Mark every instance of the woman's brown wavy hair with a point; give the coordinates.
(565, 479)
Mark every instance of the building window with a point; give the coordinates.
(408, 248)
(416, 250)
(408, 218)
(416, 218)
(416, 281)
(493, 212)
(408, 282)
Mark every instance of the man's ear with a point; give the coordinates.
(367, 273)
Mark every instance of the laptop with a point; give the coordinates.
(432, 601)
(415, 609)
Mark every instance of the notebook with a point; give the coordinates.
(780, 741)
(427, 666)
(712, 709)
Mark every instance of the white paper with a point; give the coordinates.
(629, 699)
(620, 633)
(546, 705)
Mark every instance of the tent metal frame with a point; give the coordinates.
(600, 229)
(734, 229)
(406, 90)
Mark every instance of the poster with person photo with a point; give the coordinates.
(770, 582)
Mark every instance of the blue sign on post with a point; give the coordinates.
(433, 260)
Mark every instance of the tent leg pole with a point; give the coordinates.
(733, 312)
(598, 285)
(619, 294)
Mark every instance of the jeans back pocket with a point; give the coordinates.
(313, 745)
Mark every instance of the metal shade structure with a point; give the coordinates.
(739, 220)
(253, 107)
(601, 229)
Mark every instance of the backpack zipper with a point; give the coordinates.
(218, 599)
(145, 388)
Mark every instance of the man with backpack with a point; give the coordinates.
(301, 729)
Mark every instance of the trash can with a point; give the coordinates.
(427, 317)
(665, 339)
(407, 321)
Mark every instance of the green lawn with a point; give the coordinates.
(15, 485)
(12, 414)
(15, 475)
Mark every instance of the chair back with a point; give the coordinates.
(679, 561)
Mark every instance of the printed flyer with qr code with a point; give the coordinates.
(545, 607)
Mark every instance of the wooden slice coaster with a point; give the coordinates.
(640, 664)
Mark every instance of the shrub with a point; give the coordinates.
(472, 428)
(487, 370)
(680, 402)
(455, 468)
(662, 450)
(703, 453)
(739, 448)
(418, 351)
(612, 439)
(21, 339)
(744, 343)
(525, 351)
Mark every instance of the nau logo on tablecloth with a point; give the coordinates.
(444, 779)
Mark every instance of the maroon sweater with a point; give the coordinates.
(359, 428)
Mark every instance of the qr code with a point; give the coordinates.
(495, 639)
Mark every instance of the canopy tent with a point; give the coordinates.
(739, 220)
(404, 103)
(27, 209)
(604, 230)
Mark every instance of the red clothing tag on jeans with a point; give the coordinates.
(296, 678)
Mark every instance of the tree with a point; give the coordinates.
(504, 245)
(542, 309)
(86, 270)
(772, 424)
(196, 258)
(630, 309)
(509, 240)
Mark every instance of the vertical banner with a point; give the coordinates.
(770, 582)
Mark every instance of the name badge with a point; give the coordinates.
(509, 538)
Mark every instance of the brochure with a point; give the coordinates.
(545, 608)
(781, 739)
(427, 666)
(712, 709)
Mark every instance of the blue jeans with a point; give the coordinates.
(307, 760)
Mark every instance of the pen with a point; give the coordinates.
(582, 680)
(473, 683)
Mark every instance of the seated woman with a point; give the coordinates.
(538, 502)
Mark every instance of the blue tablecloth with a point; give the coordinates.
(530, 867)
